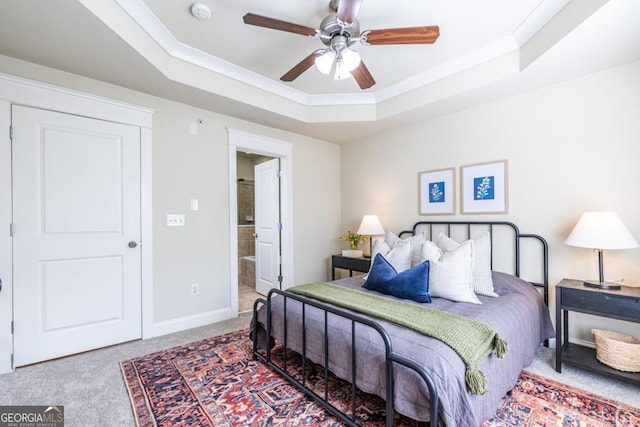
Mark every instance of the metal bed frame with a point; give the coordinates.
(391, 358)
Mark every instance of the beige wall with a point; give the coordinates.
(246, 165)
(571, 147)
(187, 167)
(245, 168)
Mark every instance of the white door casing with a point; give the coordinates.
(267, 220)
(76, 203)
(6, 292)
(240, 140)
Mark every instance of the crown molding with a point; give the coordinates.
(176, 61)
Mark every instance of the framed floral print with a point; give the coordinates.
(484, 188)
(437, 192)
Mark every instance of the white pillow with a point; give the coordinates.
(482, 282)
(451, 273)
(399, 256)
(416, 244)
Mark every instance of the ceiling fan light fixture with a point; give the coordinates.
(324, 62)
(350, 59)
(341, 71)
(338, 32)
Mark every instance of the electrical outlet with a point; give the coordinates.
(195, 289)
(175, 220)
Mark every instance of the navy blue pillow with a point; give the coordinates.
(381, 271)
(410, 284)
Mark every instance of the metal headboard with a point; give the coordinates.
(469, 227)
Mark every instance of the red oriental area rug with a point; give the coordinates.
(215, 382)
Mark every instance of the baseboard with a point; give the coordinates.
(189, 322)
(552, 343)
(583, 343)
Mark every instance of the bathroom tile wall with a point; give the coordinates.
(246, 203)
(246, 247)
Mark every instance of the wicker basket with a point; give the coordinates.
(621, 352)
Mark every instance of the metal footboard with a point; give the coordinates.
(391, 358)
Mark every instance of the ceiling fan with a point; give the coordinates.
(338, 32)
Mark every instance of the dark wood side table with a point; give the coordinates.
(572, 295)
(348, 263)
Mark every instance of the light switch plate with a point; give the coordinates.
(175, 220)
(193, 203)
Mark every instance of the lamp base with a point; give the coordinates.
(602, 285)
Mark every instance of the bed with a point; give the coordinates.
(419, 377)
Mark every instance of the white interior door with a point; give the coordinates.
(76, 200)
(267, 212)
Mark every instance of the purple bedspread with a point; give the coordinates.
(518, 315)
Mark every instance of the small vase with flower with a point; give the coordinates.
(354, 241)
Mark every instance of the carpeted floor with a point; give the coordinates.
(92, 390)
(215, 382)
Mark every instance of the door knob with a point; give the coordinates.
(132, 244)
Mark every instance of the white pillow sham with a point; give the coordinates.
(398, 255)
(482, 281)
(416, 244)
(451, 273)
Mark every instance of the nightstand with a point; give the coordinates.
(348, 263)
(572, 295)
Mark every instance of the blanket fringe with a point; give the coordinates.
(476, 381)
(501, 346)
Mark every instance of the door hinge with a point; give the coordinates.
(279, 226)
(280, 278)
(12, 366)
(12, 230)
(280, 173)
(12, 327)
(11, 132)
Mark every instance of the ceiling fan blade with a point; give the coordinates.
(276, 24)
(301, 67)
(348, 11)
(409, 35)
(363, 77)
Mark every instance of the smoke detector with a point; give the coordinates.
(201, 11)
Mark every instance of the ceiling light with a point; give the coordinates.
(324, 62)
(346, 61)
(350, 59)
(201, 11)
(338, 53)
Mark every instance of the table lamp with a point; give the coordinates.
(599, 231)
(370, 226)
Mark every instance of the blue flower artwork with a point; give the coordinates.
(484, 187)
(436, 192)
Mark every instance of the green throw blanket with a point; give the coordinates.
(470, 339)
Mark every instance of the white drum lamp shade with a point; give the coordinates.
(370, 226)
(600, 231)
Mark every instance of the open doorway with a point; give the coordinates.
(246, 164)
(241, 143)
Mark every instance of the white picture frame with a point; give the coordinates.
(484, 188)
(436, 192)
